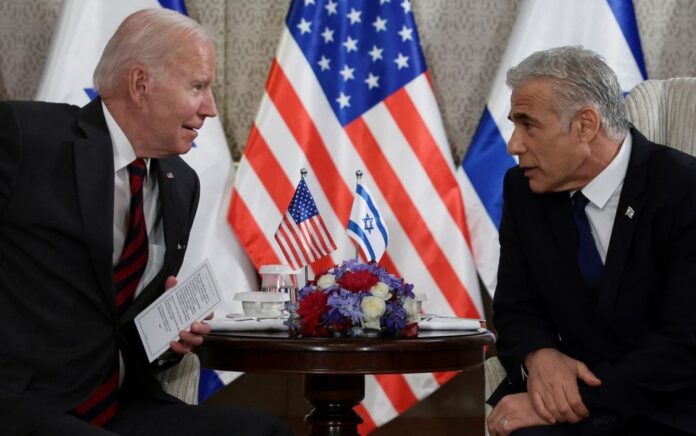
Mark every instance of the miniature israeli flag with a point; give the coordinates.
(365, 225)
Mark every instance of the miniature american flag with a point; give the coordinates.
(302, 235)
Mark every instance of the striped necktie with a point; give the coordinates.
(102, 405)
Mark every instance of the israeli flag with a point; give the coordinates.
(366, 227)
(607, 27)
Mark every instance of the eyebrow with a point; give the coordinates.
(519, 116)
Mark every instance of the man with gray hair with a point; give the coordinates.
(597, 278)
(96, 208)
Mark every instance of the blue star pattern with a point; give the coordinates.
(367, 223)
(361, 51)
(302, 206)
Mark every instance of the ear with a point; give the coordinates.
(589, 123)
(138, 83)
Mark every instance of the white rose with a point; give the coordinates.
(380, 290)
(374, 324)
(411, 308)
(372, 308)
(326, 281)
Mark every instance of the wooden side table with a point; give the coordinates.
(335, 368)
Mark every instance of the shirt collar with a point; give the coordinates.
(601, 188)
(121, 146)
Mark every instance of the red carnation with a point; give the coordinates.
(311, 308)
(357, 281)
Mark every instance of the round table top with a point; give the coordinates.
(277, 352)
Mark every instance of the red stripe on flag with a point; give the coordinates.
(387, 262)
(249, 233)
(444, 377)
(319, 230)
(295, 233)
(268, 170)
(368, 425)
(287, 248)
(398, 391)
(322, 264)
(308, 239)
(411, 220)
(439, 171)
(302, 127)
(285, 233)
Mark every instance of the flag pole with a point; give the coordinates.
(358, 176)
(303, 173)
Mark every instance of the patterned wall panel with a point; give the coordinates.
(463, 42)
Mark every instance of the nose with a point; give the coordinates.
(515, 145)
(208, 107)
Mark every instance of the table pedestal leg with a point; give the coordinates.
(333, 398)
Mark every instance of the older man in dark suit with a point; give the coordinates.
(597, 279)
(95, 213)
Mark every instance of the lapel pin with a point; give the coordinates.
(180, 247)
(170, 175)
(630, 212)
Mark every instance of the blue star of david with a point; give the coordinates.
(367, 223)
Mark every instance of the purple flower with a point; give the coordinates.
(394, 318)
(347, 304)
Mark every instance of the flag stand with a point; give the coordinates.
(358, 176)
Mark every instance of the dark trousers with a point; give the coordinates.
(642, 427)
(153, 417)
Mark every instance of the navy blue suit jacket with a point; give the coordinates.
(637, 329)
(60, 327)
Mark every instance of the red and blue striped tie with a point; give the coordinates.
(102, 405)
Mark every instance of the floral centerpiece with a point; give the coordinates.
(352, 298)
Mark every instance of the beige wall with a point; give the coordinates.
(463, 41)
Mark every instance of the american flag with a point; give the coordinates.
(349, 89)
(302, 235)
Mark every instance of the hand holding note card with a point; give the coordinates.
(176, 309)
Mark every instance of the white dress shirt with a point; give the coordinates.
(603, 192)
(123, 156)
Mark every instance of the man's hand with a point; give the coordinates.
(187, 340)
(513, 412)
(552, 384)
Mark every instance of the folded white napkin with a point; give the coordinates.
(247, 324)
(448, 323)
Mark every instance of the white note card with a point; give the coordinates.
(176, 309)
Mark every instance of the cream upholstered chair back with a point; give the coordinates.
(181, 380)
(665, 111)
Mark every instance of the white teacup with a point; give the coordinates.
(263, 304)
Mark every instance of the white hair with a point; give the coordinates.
(582, 78)
(150, 37)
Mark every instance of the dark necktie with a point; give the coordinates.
(102, 405)
(589, 262)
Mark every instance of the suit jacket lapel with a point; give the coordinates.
(558, 212)
(173, 216)
(94, 173)
(624, 226)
